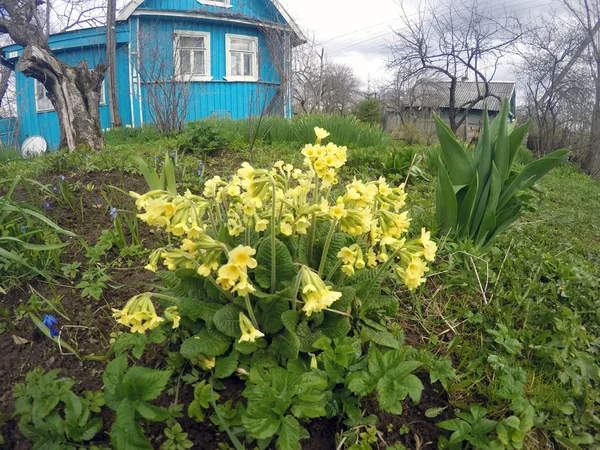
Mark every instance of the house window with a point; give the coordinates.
(242, 58)
(221, 3)
(192, 55)
(43, 103)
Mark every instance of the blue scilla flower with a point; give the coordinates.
(156, 157)
(176, 165)
(54, 189)
(172, 155)
(23, 228)
(113, 212)
(198, 172)
(47, 205)
(201, 164)
(50, 322)
(62, 177)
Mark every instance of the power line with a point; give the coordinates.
(364, 44)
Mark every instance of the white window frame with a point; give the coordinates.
(177, 34)
(229, 76)
(223, 4)
(37, 85)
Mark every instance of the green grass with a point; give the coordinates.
(540, 279)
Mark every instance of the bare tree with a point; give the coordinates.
(111, 63)
(452, 42)
(74, 91)
(321, 85)
(556, 83)
(587, 15)
(167, 91)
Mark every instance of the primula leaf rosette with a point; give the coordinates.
(217, 234)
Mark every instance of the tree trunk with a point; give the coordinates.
(5, 74)
(592, 160)
(111, 62)
(75, 93)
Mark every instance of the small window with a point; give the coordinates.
(221, 3)
(43, 103)
(242, 58)
(192, 55)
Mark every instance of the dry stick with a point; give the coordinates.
(502, 267)
(485, 302)
(341, 444)
(410, 169)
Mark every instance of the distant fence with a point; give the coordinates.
(9, 132)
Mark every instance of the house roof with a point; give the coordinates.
(436, 94)
(131, 7)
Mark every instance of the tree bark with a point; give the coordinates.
(111, 62)
(74, 92)
(592, 160)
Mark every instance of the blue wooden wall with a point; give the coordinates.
(219, 96)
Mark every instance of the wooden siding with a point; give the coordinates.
(218, 97)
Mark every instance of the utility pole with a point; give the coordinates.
(47, 18)
(111, 62)
(322, 58)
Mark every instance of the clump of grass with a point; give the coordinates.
(8, 154)
(119, 136)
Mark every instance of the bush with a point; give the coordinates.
(202, 136)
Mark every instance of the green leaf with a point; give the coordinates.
(91, 429)
(453, 155)
(516, 139)
(287, 345)
(502, 147)
(225, 366)
(204, 344)
(360, 383)
(290, 434)
(467, 207)
(151, 412)
(113, 374)
(335, 326)
(446, 205)
(261, 423)
(126, 432)
(432, 413)
(126, 340)
(227, 320)
(488, 222)
(531, 173)
(289, 319)
(198, 309)
(269, 313)
(142, 383)
(285, 268)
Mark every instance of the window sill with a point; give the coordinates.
(215, 3)
(192, 78)
(237, 78)
(40, 111)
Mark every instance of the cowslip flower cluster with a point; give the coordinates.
(140, 315)
(215, 232)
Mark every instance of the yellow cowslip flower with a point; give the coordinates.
(207, 363)
(321, 134)
(138, 314)
(429, 247)
(249, 333)
(153, 260)
(338, 211)
(313, 362)
(229, 274)
(189, 246)
(301, 225)
(261, 225)
(348, 269)
(415, 272)
(347, 255)
(371, 258)
(242, 257)
(172, 316)
(286, 228)
(211, 186)
(243, 287)
(315, 294)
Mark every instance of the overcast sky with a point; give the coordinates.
(356, 32)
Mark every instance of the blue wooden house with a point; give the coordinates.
(227, 58)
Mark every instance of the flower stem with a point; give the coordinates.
(297, 289)
(251, 311)
(273, 241)
(385, 266)
(326, 247)
(311, 237)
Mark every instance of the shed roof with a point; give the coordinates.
(436, 94)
